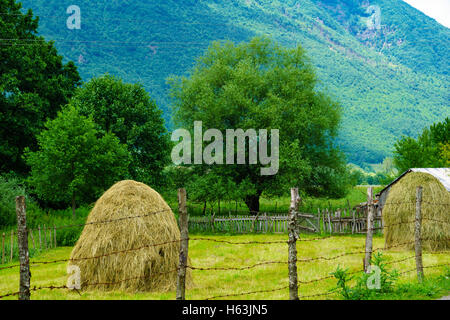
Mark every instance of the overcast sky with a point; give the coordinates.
(436, 9)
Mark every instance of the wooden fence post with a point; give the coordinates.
(12, 246)
(22, 242)
(329, 222)
(32, 239)
(45, 237)
(40, 238)
(292, 226)
(54, 236)
(318, 221)
(369, 235)
(323, 222)
(417, 234)
(266, 225)
(184, 245)
(353, 222)
(3, 248)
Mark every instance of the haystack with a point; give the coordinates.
(126, 260)
(399, 211)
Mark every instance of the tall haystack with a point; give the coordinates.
(121, 229)
(399, 212)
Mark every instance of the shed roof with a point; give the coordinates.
(442, 174)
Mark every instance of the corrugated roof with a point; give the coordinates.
(442, 174)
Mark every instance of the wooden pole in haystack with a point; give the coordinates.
(184, 244)
(417, 234)
(369, 235)
(22, 242)
(292, 228)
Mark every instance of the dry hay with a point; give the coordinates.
(399, 213)
(143, 269)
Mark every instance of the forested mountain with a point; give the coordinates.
(384, 61)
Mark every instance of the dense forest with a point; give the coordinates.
(384, 61)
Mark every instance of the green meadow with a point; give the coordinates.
(236, 283)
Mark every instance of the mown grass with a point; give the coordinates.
(213, 283)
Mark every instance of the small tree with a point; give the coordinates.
(73, 162)
(128, 111)
(210, 188)
(427, 151)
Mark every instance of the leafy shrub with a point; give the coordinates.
(68, 236)
(10, 187)
(361, 291)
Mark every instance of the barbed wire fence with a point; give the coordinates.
(294, 285)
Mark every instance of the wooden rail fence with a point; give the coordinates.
(39, 239)
(325, 221)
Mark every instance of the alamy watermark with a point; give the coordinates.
(74, 20)
(213, 153)
(74, 280)
(374, 21)
(374, 280)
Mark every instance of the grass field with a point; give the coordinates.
(212, 283)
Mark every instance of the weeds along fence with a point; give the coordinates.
(295, 287)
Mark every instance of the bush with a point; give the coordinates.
(361, 291)
(10, 187)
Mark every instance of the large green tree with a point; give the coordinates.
(34, 84)
(261, 85)
(74, 161)
(429, 150)
(128, 111)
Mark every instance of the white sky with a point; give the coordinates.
(436, 9)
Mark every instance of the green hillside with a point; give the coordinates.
(390, 80)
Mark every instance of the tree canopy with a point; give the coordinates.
(34, 84)
(128, 111)
(261, 85)
(74, 162)
(429, 150)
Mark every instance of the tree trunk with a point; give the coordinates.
(204, 208)
(252, 203)
(73, 206)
